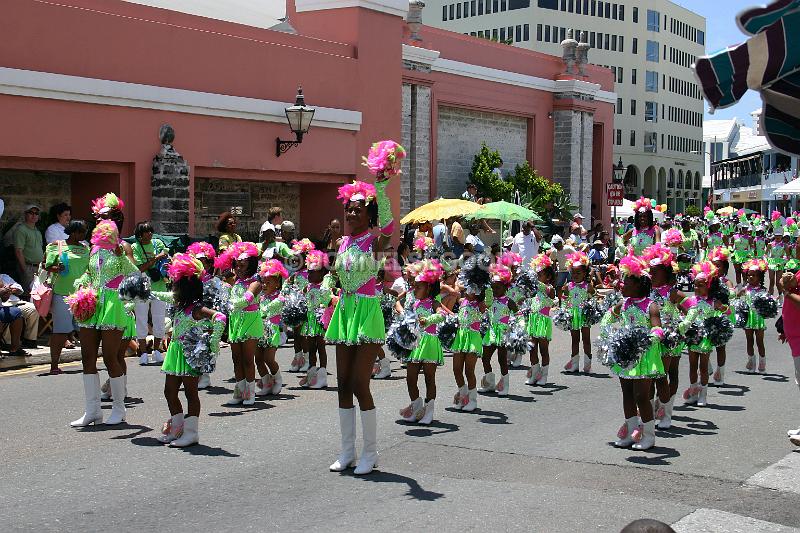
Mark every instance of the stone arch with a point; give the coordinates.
(697, 181)
(680, 183)
(650, 184)
(662, 186)
(632, 182)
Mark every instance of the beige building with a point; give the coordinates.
(649, 45)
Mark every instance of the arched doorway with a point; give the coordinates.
(632, 182)
(650, 182)
(680, 180)
(662, 186)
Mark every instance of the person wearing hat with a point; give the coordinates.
(559, 255)
(576, 230)
(287, 232)
(598, 255)
(526, 242)
(28, 247)
(714, 238)
(776, 259)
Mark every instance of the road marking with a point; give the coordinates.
(36, 368)
(715, 521)
(783, 475)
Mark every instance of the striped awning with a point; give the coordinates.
(768, 62)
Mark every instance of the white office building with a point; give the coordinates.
(649, 45)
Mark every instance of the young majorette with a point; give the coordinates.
(662, 266)
(185, 273)
(245, 326)
(645, 231)
(789, 286)
(636, 378)
(515, 292)
(753, 271)
(428, 355)
(776, 259)
(272, 274)
(382, 367)
(298, 281)
(205, 253)
(742, 249)
(699, 307)
(720, 256)
(540, 325)
(467, 347)
(575, 293)
(318, 295)
(499, 318)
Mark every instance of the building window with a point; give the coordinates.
(526, 32)
(621, 42)
(653, 20)
(495, 35)
(652, 51)
(619, 137)
(538, 32)
(701, 37)
(502, 34)
(633, 76)
(606, 41)
(651, 81)
(614, 43)
(444, 12)
(633, 107)
(451, 12)
(547, 33)
(608, 10)
(563, 32)
(650, 112)
(619, 106)
(633, 137)
(622, 12)
(635, 46)
(548, 4)
(619, 75)
(518, 33)
(472, 7)
(458, 10)
(480, 7)
(503, 5)
(592, 39)
(635, 15)
(650, 142)
(614, 12)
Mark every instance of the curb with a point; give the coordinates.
(40, 357)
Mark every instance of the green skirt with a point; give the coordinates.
(429, 350)
(130, 329)
(245, 325)
(356, 320)
(776, 264)
(578, 321)
(755, 321)
(175, 363)
(110, 313)
(312, 327)
(704, 347)
(740, 257)
(494, 336)
(649, 366)
(272, 336)
(677, 351)
(467, 341)
(540, 326)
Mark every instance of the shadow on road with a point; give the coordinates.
(63, 372)
(139, 430)
(547, 390)
(656, 456)
(734, 390)
(491, 417)
(238, 410)
(693, 427)
(415, 491)
(777, 378)
(217, 390)
(202, 449)
(427, 431)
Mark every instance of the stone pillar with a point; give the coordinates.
(170, 187)
(572, 155)
(416, 134)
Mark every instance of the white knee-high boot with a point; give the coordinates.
(118, 405)
(347, 426)
(93, 414)
(190, 433)
(369, 453)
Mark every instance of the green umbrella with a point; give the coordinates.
(504, 212)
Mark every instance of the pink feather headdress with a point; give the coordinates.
(510, 259)
(422, 243)
(358, 190)
(429, 271)
(705, 270)
(642, 205)
(201, 250)
(105, 236)
(106, 203)
(659, 254)
(720, 253)
(317, 260)
(634, 266)
(500, 273)
(384, 157)
(673, 237)
(272, 267)
(540, 262)
(234, 252)
(755, 264)
(577, 259)
(776, 215)
(184, 266)
(303, 246)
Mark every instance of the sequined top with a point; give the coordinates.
(271, 306)
(237, 300)
(469, 315)
(699, 308)
(777, 250)
(297, 282)
(356, 265)
(669, 311)
(499, 312)
(759, 246)
(318, 295)
(183, 321)
(516, 294)
(424, 309)
(578, 293)
(641, 239)
(714, 240)
(636, 311)
(541, 302)
(106, 270)
(741, 243)
(690, 239)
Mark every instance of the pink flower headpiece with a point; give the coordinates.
(740, 213)
(234, 252)
(106, 203)
(105, 236)
(429, 271)
(272, 267)
(755, 264)
(634, 266)
(673, 237)
(358, 190)
(202, 250)
(540, 262)
(384, 158)
(659, 254)
(184, 266)
(790, 221)
(500, 274)
(317, 260)
(511, 259)
(422, 243)
(577, 259)
(776, 215)
(720, 253)
(642, 205)
(705, 270)
(303, 246)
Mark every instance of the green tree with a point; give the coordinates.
(692, 211)
(482, 175)
(529, 183)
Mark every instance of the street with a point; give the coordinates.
(538, 460)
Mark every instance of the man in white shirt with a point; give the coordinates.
(62, 213)
(526, 242)
(10, 292)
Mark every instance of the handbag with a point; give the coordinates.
(154, 272)
(42, 292)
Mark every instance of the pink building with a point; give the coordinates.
(85, 86)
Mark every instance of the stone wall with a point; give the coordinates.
(416, 136)
(19, 188)
(460, 134)
(264, 194)
(572, 155)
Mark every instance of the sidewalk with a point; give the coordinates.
(38, 356)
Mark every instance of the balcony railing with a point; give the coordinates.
(750, 180)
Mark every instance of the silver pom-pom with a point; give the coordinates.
(741, 310)
(592, 312)
(217, 295)
(765, 305)
(528, 281)
(447, 330)
(474, 275)
(486, 323)
(719, 330)
(197, 350)
(695, 333)
(387, 308)
(295, 309)
(403, 335)
(134, 287)
(516, 338)
(624, 346)
(562, 318)
(610, 300)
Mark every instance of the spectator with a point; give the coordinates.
(275, 217)
(67, 260)
(424, 229)
(471, 194)
(287, 231)
(576, 230)
(598, 255)
(11, 323)
(526, 242)
(28, 247)
(10, 292)
(402, 283)
(402, 254)
(596, 231)
(226, 227)
(62, 213)
(439, 232)
(559, 255)
(508, 242)
(456, 238)
(270, 247)
(474, 244)
(150, 256)
(333, 236)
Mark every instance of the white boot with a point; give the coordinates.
(303, 362)
(249, 396)
(414, 411)
(666, 419)
(277, 383)
(305, 381)
(719, 376)
(587, 363)
(264, 385)
(347, 426)
(762, 365)
(238, 393)
(625, 433)
(105, 391)
(488, 383)
(648, 439)
(428, 417)
(93, 414)
(751, 363)
(473, 401)
(118, 407)
(461, 398)
(295, 362)
(533, 374)
(502, 386)
(543, 379)
(793, 432)
(517, 361)
(385, 369)
(158, 357)
(173, 428)
(190, 435)
(320, 379)
(125, 380)
(369, 452)
(573, 365)
(690, 395)
(144, 359)
(701, 397)
(204, 382)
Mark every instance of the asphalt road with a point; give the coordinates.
(538, 460)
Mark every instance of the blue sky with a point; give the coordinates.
(721, 31)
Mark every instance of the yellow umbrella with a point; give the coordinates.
(440, 209)
(728, 210)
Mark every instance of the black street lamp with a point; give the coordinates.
(617, 178)
(619, 171)
(299, 117)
